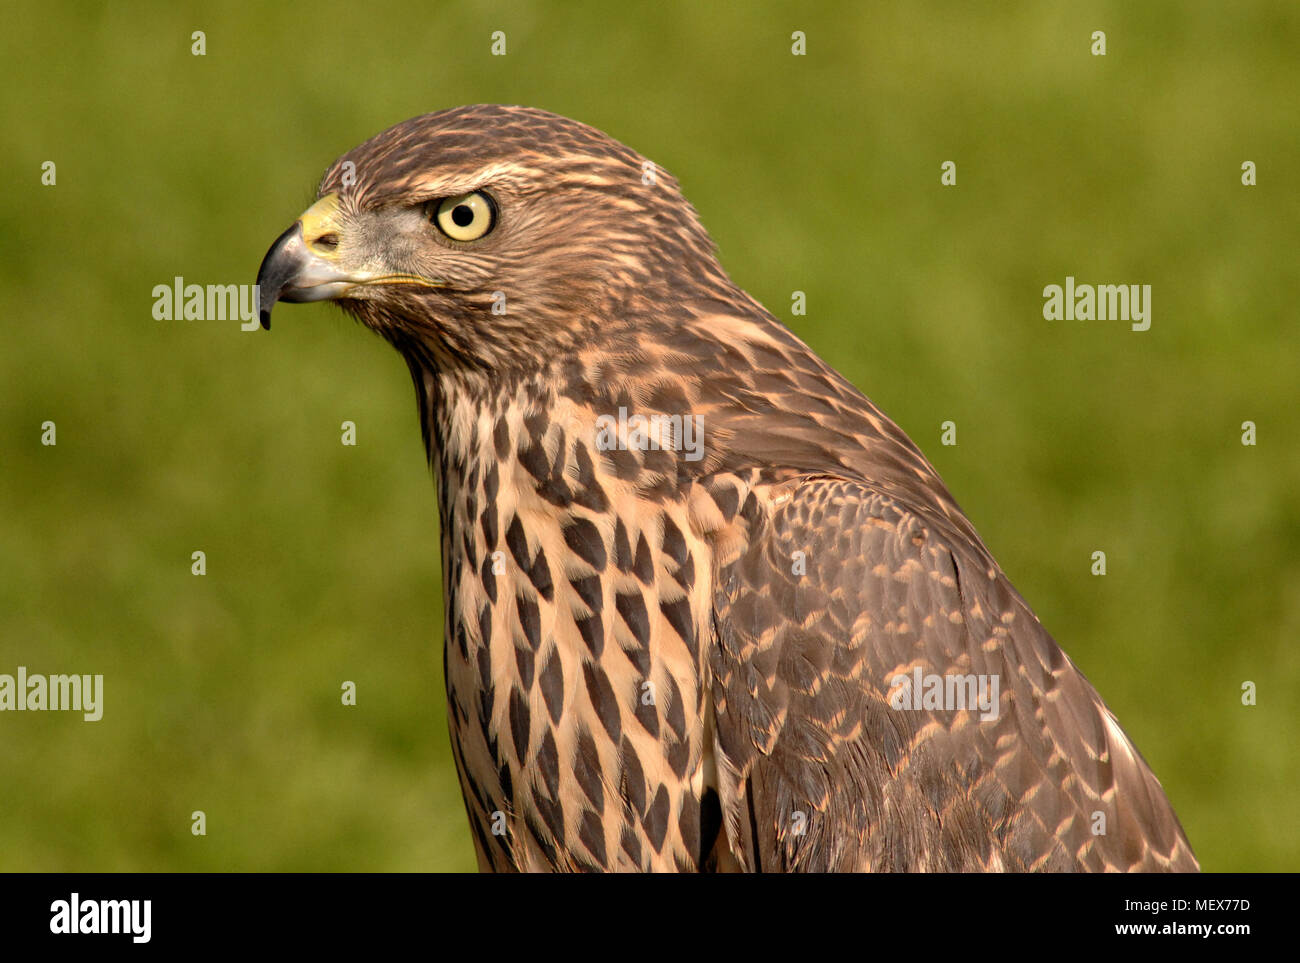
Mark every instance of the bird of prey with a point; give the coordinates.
(707, 608)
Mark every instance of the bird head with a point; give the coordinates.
(492, 237)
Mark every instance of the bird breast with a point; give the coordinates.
(576, 605)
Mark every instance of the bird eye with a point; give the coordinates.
(465, 218)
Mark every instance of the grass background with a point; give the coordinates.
(817, 173)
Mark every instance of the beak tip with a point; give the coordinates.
(276, 270)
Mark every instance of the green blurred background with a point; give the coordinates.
(817, 173)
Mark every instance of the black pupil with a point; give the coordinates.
(462, 215)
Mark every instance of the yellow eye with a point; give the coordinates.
(465, 218)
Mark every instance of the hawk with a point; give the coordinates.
(707, 608)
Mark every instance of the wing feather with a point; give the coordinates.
(838, 593)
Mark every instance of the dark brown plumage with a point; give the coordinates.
(663, 661)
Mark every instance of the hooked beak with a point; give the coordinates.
(301, 264)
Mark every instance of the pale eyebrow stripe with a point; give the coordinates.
(459, 182)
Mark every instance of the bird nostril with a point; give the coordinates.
(327, 242)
